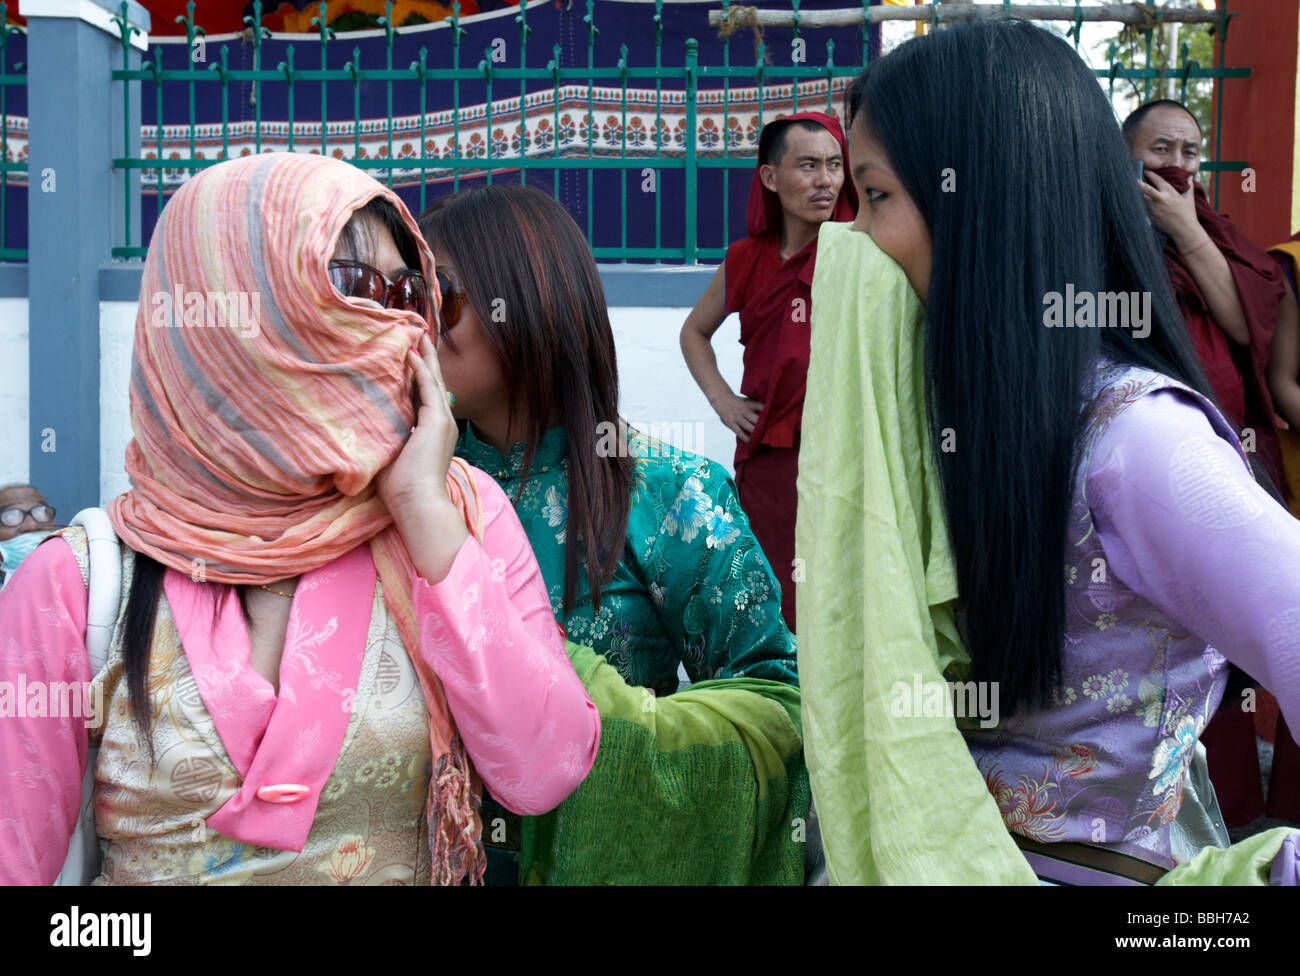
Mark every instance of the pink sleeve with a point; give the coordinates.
(42, 757)
(1183, 524)
(488, 632)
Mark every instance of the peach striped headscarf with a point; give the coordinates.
(263, 403)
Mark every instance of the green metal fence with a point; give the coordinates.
(13, 153)
(1186, 70)
(305, 90)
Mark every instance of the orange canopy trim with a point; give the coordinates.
(295, 16)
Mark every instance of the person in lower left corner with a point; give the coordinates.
(26, 518)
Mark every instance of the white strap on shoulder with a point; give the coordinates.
(104, 585)
(103, 594)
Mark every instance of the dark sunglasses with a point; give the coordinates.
(454, 298)
(13, 516)
(355, 279)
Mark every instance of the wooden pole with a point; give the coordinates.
(1139, 14)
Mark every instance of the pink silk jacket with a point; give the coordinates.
(486, 630)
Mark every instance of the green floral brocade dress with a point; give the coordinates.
(694, 589)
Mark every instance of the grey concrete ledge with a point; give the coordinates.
(655, 285)
(119, 281)
(13, 280)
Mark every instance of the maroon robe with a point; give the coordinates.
(1284, 780)
(774, 302)
(1237, 374)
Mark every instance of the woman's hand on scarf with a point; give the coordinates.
(414, 485)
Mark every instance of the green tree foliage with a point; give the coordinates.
(1195, 44)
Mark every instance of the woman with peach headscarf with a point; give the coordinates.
(321, 648)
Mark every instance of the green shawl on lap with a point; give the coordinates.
(899, 798)
(1247, 862)
(706, 786)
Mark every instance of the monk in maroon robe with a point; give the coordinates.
(1228, 288)
(1284, 384)
(799, 183)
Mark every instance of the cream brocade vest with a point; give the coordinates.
(370, 825)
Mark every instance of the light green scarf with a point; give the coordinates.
(899, 798)
(1247, 862)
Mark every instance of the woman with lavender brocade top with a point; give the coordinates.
(1097, 451)
(1162, 482)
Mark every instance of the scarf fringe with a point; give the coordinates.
(456, 842)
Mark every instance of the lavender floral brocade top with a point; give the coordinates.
(1177, 554)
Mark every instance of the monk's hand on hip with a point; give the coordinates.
(414, 485)
(740, 414)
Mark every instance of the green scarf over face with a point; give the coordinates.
(705, 786)
(899, 798)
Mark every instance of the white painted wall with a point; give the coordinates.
(657, 388)
(116, 335)
(14, 389)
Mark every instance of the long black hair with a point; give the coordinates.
(147, 573)
(1045, 196)
(555, 347)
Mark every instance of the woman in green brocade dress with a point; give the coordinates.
(649, 561)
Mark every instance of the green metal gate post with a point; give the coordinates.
(690, 254)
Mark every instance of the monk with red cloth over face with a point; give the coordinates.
(799, 184)
(1228, 288)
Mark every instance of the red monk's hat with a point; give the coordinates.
(764, 210)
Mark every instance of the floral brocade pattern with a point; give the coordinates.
(1106, 764)
(693, 586)
(369, 826)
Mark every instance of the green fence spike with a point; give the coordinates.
(386, 22)
(623, 208)
(485, 66)
(689, 138)
(554, 67)
(659, 118)
(590, 20)
(794, 7)
(524, 31)
(457, 32)
(421, 69)
(326, 35)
